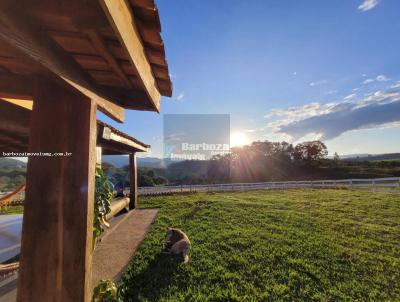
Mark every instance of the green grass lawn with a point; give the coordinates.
(12, 210)
(294, 245)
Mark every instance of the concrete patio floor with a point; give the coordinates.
(113, 253)
(118, 244)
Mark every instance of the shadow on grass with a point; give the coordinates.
(156, 278)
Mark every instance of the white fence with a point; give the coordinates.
(375, 184)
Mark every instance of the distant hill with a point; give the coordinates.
(120, 161)
(154, 162)
(10, 163)
(349, 156)
(371, 157)
(12, 173)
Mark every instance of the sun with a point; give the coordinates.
(238, 139)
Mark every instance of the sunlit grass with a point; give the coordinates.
(295, 245)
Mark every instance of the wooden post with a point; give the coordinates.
(56, 250)
(98, 156)
(133, 181)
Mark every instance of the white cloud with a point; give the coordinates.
(300, 112)
(180, 96)
(350, 96)
(382, 78)
(331, 92)
(294, 73)
(355, 89)
(379, 78)
(367, 5)
(397, 85)
(318, 83)
(379, 109)
(367, 81)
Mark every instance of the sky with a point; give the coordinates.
(283, 70)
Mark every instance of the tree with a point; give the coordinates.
(151, 174)
(310, 151)
(4, 182)
(336, 157)
(145, 181)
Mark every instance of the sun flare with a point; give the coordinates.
(238, 139)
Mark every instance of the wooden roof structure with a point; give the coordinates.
(109, 50)
(14, 133)
(60, 62)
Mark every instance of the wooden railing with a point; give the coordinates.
(375, 184)
(11, 198)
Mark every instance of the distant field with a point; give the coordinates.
(295, 245)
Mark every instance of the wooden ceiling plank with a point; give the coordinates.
(92, 62)
(121, 18)
(13, 64)
(156, 57)
(12, 137)
(165, 87)
(146, 4)
(100, 46)
(149, 35)
(23, 33)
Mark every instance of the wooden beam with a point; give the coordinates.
(16, 86)
(19, 139)
(131, 99)
(22, 32)
(133, 181)
(101, 47)
(122, 19)
(108, 134)
(13, 147)
(56, 250)
(110, 148)
(14, 119)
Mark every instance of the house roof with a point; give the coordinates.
(113, 48)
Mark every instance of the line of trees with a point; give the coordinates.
(259, 161)
(120, 176)
(276, 161)
(267, 161)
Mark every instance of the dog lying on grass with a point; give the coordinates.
(177, 242)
